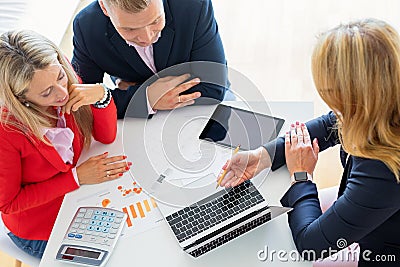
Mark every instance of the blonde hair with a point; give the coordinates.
(356, 70)
(21, 54)
(134, 6)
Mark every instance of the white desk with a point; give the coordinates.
(158, 246)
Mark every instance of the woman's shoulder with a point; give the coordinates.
(371, 168)
(11, 131)
(10, 128)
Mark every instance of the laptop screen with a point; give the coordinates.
(231, 126)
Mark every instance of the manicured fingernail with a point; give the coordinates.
(124, 157)
(105, 153)
(127, 168)
(297, 123)
(120, 174)
(197, 80)
(129, 163)
(292, 125)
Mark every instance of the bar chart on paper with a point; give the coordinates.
(138, 210)
(127, 196)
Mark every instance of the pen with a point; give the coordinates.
(224, 172)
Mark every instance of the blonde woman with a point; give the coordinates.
(356, 70)
(46, 120)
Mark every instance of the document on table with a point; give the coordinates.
(126, 195)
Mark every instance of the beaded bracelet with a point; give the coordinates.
(103, 103)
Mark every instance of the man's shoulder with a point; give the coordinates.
(91, 14)
(186, 2)
(187, 13)
(188, 6)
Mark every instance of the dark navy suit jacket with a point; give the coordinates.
(367, 210)
(190, 34)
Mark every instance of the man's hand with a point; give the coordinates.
(164, 94)
(123, 85)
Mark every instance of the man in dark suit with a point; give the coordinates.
(133, 39)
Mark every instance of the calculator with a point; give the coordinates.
(91, 236)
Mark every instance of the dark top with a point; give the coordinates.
(191, 34)
(366, 211)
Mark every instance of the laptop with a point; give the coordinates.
(219, 218)
(214, 219)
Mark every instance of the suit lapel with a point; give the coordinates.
(128, 53)
(162, 48)
(77, 143)
(52, 156)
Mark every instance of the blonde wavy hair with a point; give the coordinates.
(356, 70)
(21, 54)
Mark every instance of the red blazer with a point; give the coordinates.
(34, 178)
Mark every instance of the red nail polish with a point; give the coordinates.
(120, 174)
(124, 157)
(292, 125)
(127, 168)
(129, 163)
(297, 123)
(105, 153)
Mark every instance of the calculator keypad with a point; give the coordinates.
(95, 225)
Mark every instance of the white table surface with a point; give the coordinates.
(158, 246)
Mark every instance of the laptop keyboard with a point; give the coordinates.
(230, 235)
(213, 210)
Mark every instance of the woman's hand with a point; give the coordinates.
(301, 154)
(244, 166)
(82, 95)
(102, 168)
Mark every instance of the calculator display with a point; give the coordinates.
(82, 253)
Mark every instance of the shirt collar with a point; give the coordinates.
(138, 46)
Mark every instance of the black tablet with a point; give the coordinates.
(231, 126)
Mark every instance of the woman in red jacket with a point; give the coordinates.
(46, 118)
